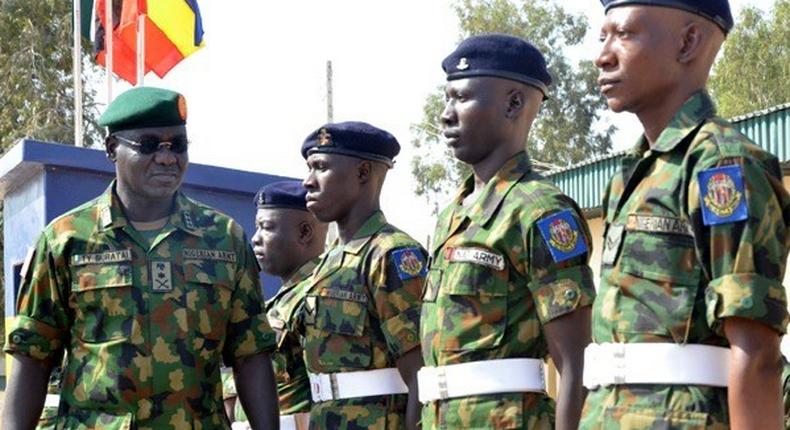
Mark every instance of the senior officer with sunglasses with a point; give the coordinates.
(146, 291)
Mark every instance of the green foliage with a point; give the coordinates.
(36, 67)
(36, 88)
(754, 69)
(566, 131)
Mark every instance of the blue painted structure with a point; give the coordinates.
(40, 181)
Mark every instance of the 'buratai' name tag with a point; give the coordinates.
(102, 257)
(209, 254)
(477, 256)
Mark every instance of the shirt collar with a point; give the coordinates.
(111, 214)
(373, 225)
(696, 109)
(496, 189)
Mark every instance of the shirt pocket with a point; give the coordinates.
(472, 302)
(341, 341)
(660, 278)
(209, 292)
(104, 301)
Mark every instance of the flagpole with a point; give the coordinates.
(140, 49)
(77, 70)
(108, 33)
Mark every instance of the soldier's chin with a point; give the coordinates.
(321, 213)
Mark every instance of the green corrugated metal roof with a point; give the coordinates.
(585, 182)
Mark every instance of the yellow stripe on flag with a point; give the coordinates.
(177, 20)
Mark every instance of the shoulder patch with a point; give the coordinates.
(562, 236)
(721, 193)
(409, 262)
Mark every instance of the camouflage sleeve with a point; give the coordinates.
(397, 278)
(41, 324)
(248, 331)
(739, 210)
(559, 247)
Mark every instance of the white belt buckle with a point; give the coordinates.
(618, 364)
(441, 381)
(322, 387)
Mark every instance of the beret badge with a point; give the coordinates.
(463, 64)
(182, 107)
(261, 199)
(324, 138)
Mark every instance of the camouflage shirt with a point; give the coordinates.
(293, 386)
(145, 327)
(696, 231)
(498, 273)
(361, 312)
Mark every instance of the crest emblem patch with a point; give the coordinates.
(463, 64)
(409, 262)
(324, 138)
(182, 107)
(562, 236)
(722, 195)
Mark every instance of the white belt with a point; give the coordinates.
(300, 421)
(510, 375)
(52, 401)
(655, 363)
(349, 385)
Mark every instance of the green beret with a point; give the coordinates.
(144, 107)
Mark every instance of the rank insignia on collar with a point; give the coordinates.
(188, 220)
(161, 277)
(463, 64)
(722, 195)
(324, 138)
(562, 236)
(409, 262)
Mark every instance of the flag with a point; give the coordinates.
(173, 31)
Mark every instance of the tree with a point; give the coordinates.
(569, 127)
(754, 69)
(36, 91)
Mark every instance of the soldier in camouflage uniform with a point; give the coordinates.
(508, 282)
(287, 243)
(361, 312)
(145, 290)
(690, 307)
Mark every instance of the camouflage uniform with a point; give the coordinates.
(293, 386)
(361, 312)
(495, 307)
(670, 276)
(144, 326)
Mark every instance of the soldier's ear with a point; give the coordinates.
(516, 100)
(306, 232)
(364, 171)
(691, 40)
(110, 146)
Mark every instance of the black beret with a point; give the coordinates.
(717, 11)
(353, 138)
(144, 107)
(282, 194)
(501, 56)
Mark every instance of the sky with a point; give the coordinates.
(258, 88)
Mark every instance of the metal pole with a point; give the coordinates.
(330, 114)
(140, 49)
(108, 33)
(77, 70)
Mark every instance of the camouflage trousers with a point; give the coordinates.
(490, 412)
(655, 407)
(374, 413)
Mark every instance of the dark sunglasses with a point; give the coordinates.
(150, 144)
